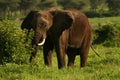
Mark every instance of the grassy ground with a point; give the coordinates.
(106, 67)
(95, 21)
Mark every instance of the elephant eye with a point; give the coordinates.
(42, 25)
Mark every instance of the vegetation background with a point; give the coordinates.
(104, 17)
(92, 8)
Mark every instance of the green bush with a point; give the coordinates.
(107, 34)
(12, 43)
(92, 14)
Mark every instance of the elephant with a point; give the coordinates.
(67, 31)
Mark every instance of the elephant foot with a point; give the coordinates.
(31, 58)
(61, 67)
(61, 64)
(48, 64)
(71, 65)
(83, 65)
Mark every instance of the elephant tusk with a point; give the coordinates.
(40, 44)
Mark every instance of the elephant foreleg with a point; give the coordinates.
(34, 53)
(60, 50)
(47, 51)
(61, 58)
(71, 59)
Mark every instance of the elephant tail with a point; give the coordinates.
(94, 51)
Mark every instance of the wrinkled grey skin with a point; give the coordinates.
(68, 31)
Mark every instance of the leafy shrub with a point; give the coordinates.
(12, 43)
(107, 35)
(92, 14)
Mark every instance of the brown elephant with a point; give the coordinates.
(68, 31)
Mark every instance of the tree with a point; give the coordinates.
(43, 4)
(12, 4)
(78, 4)
(94, 4)
(27, 5)
(6, 6)
(114, 6)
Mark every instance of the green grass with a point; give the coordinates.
(95, 21)
(106, 67)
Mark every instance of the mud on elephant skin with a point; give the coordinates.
(68, 31)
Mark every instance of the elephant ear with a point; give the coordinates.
(68, 20)
(62, 20)
(26, 24)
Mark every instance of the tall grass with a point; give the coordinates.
(105, 67)
(96, 21)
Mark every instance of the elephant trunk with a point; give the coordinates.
(39, 39)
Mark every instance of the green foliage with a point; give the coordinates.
(12, 43)
(14, 50)
(105, 67)
(114, 6)
(28, 4)
(12, 4)
(107, 34)
(94, 4)
(77, 4)
(45, 4)
(95, 8)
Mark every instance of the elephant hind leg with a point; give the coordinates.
(83, 55)
(71, 57)
(85, 50)
(83, 58)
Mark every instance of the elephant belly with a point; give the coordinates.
(75, 42)
(76, 36)
(75, 51)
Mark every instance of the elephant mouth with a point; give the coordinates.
(41, 42)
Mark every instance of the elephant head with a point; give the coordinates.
(40, 22)
(43, 22)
